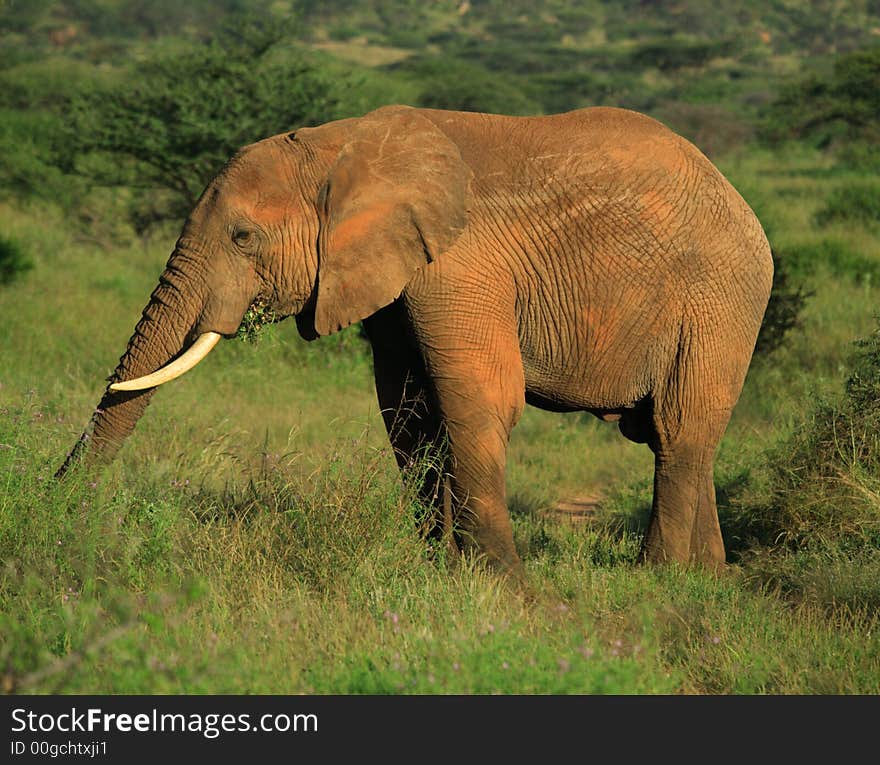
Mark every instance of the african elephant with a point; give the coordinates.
(588, 261)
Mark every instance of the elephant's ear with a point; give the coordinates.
(395, 199)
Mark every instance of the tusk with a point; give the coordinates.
(183, 363)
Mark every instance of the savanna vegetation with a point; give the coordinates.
(253, 535)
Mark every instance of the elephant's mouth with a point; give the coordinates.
(258, 315)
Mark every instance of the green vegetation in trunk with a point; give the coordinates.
(256, 317)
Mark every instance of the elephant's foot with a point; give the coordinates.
(706, 548)
(709, 555)
(493, 549)
(654, 556)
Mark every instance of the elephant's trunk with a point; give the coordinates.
(161, 335)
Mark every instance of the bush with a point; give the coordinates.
(859, 203)
(671, 54)
(509, 57)
(21, 17)
(566, 90)
(408, 38)
(451, 84)
(33, 101)
(14, 261)
(824, 481)
(713, 129)
(135, 18)
(343, 32)
(783, 312)
(26, 150)
(860, 157)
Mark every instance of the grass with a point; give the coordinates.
(253, 536)
(282, 582)
(857, 202)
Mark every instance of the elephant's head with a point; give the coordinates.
(327, 224)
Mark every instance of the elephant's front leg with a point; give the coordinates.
(478, 432)
(477, 375)
(409, 411)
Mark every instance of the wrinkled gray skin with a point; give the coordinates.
(587, 261)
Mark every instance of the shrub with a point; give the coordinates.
(21, 17)
(783, 312)
(860, 157)
(408, 37)
(859, 203)
(133, 18)
(14, 261)
(33, 101)
(507, 57)
(562, 91)
(824, 480)
(676, 53)
(713, 129)
(343, 32)
(26, 168)
(451, 84)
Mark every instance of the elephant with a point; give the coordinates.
(587, 261)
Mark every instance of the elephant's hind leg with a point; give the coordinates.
(684, 519)
(707, 545)
(689, 418)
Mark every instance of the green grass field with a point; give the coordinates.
(253, 535)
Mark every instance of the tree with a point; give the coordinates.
(844, 105)
(459, 85)
(169, 129)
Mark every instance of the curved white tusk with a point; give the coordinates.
(183, 363)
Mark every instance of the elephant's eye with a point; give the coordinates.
(242, 237)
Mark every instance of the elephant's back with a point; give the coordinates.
(602, 167)
(606, 187)
(595, 142)
(617, 232)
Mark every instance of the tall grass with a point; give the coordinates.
(288, 582)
